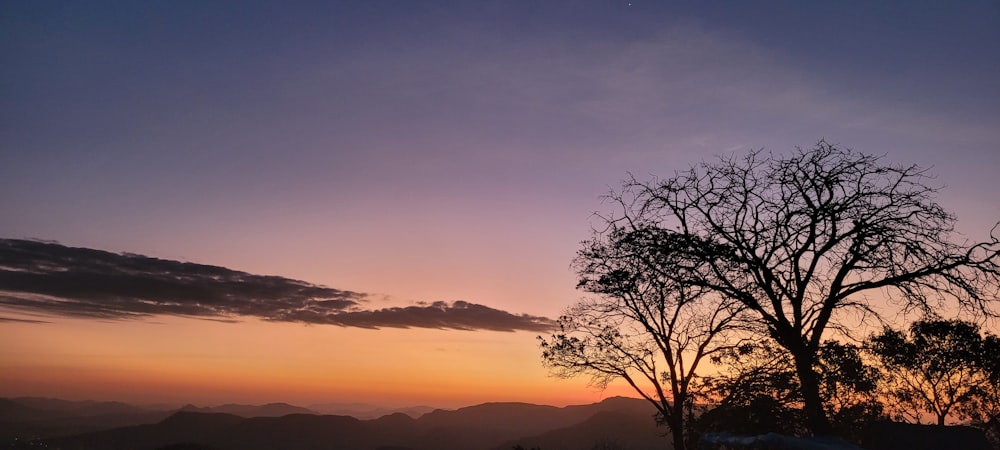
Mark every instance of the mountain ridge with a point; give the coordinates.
(485, 426)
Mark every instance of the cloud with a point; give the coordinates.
(79, 282)
(16, 320)
(459, 315)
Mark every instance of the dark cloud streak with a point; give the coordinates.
(459, 315)
(79, 282)
(16, 320)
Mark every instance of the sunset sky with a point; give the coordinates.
(394, 154)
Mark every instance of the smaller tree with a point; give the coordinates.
(943, 367)
(645, 326)
(758, 390)
(849, 388)
(985, 409)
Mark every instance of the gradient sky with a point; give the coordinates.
(426, 151)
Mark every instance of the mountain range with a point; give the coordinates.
(41, 423)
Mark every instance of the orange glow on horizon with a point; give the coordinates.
(177, 360)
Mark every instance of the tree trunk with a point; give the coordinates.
(941, 418)
(816, 418)
(676, 424)
(678, 437)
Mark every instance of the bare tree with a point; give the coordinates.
(646, 326)
(812, 236)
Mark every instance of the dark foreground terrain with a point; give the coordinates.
(613, 424)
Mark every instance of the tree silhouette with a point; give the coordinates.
(808, 238)
(984, 409)
(943, 367)
(645, 326)
(757, 390)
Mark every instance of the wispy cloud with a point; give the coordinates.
(12, 319)
(78, 282)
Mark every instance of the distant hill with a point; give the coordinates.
(490, 424)
(268, 410)
(41, 418)
(366, 411)
(614, 429)
(181, 427)
(11, 410)
(35, 417)
(486, 427)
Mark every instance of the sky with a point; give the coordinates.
(430, 168)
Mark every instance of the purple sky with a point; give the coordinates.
(432, 151)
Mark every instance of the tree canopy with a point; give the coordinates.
(942, 367)
(756, 390)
